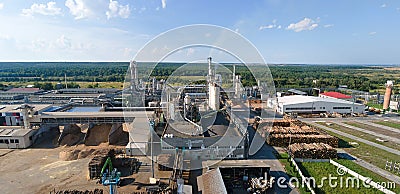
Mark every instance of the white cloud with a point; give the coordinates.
(305, 24)
(164, 3)
(44, 9)
(78, 8)
(63, 42)
(267, 27)
(270, 26)
(1, 6)
(372, 33)
(384, 5)
(115, 10)
(328, 25)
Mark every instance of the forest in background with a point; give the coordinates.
(102, 74)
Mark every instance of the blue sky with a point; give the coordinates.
(309, 31)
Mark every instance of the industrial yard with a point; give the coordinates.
(155, 136)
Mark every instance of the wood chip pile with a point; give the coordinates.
(312, 151)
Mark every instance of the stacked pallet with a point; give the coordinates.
(282, 140)
(312, 151)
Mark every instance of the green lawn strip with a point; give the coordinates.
(388, 124)
(318, 170)
(370, 154)
(365, 136)
(378, 106)
(367, 173)
(290, 171)
(360, 134)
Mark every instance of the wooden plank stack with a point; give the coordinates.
(312, 151)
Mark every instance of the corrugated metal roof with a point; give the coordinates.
(336, 95)
(211, 182)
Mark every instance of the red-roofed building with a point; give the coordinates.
(336, 95)
(24, 91)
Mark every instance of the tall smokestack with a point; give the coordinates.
(210, 73)
(133, 76)
(388, 93)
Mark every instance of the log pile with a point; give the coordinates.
(293, 130)
(312, 151)
(282, 140)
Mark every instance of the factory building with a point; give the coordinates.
(311, 104)
(16, 137)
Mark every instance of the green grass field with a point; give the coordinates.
(388, 124)
(318, 170)
(363, 135)
(366, 152)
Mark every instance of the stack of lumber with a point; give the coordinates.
(282, 140)
(312, 151)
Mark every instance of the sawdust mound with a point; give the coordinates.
(118, 136)
(97, 135)
(69, 155)
(71, 139)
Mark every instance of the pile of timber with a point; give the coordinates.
(312, 151)
(276, 123)
(293, 130)
(282, 140)
(297, 123)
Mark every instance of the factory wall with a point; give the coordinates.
(320, 106)
(11, 119)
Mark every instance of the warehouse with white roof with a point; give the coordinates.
(311, 104)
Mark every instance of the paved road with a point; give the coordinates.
(392, 139)
(355, 138)
(373, 168)
(277, 170)
(379, 126)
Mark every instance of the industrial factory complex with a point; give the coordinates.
(165, 138)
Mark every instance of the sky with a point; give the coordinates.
(283, 31)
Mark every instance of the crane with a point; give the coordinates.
(110, 177)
